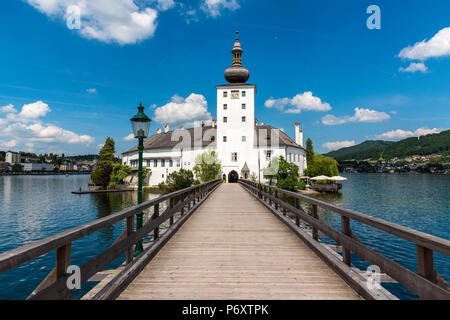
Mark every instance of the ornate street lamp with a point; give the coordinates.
(140, 123)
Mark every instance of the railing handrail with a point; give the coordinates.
(20, 255)
(424, 239)
(427, 282)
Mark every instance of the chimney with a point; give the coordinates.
(158, 130)
(181, 128)
(166, 127)
(298, 134)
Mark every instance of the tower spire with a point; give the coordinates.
(237, 73)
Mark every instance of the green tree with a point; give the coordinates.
(322, 166)
(207, 166)
(2, 158)
(287, 175)
(101, 175)
(16, 167)
(106, 155)
(118, 174)
(177, 180)
(309, 152)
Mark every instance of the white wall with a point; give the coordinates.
(234, 129)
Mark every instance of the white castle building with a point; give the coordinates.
(243, 145)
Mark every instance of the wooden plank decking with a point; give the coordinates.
(234, 248)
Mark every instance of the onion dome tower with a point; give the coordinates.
(237, 73)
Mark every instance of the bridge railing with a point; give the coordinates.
(55, 285)
(427, 284)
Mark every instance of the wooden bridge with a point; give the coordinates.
(235, 241)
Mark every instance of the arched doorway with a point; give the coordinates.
(233, 177)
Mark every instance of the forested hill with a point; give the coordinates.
(425, 145)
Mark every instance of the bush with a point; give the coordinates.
(301, 185)
(207, 166)
(177, 180)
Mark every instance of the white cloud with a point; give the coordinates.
(181, 110)
(303, 101)
(92, 90)
(214, 7)
(99, 146)
(46, 133)
(119, 21)
(129, 137)
(164, 5)
(415, 67)
(26, 127)
(403, 134)
(8, 109)
(338, 144)
(34, 111)
(7, 144)
(438, 46)
(361, 115)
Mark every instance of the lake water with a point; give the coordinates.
(34, 207)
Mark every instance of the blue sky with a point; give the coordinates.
(65, 90)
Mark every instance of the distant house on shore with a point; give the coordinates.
(32, 166)
(12, 157)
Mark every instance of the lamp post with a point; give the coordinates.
(140, 123)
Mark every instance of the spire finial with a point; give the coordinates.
(237, 35)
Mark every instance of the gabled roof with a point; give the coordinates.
(179, 138)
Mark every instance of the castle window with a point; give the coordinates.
(225, 119)
(243, 106)
(234, 94)
(170, 163)
(163, 163)
(224, 138)
(225, 107)
(155, 163)
(178, 162)
(243, 93)
(268, 155)
(244, 138)
(243, 119)
(234, 156)
(224, 94)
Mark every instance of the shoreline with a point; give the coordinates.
(42, 173)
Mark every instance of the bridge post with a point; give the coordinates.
(156, 215)
(284, 209)
(130, 228)
(297, 219)
(346, 257)
(63, 262)
(182, 200)
(425, 263)
(171, 207)
(315, 215)
(276, 196)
